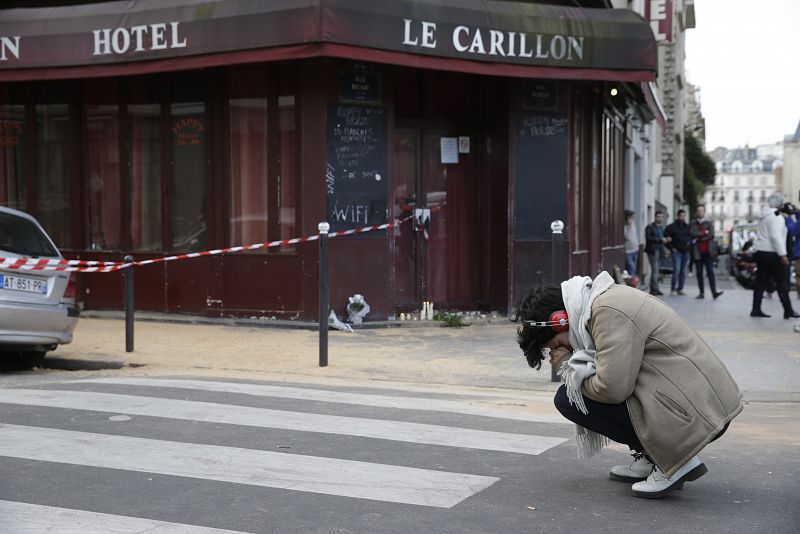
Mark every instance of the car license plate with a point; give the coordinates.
(23, 283)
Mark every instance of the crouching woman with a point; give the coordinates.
(636, 374)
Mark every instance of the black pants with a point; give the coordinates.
(610, 420)
(707, 262)
(769, 270)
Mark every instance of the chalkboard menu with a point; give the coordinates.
(541, 173)
(355, 176)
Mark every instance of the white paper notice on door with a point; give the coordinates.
(449, 148)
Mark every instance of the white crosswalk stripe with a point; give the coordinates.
(362, 399)
(243, 466)
(292, 472)
(261, 417)
(24, 518)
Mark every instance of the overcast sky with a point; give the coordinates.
(745, 56)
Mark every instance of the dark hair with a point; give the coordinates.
(538, 305)
(659, 212)
(681, 211)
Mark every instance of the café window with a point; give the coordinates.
(287, 180)
(263, 155)
(103, 200)
(144, 138)
(52, 167)
(13, 155)
(581, 172)
(611, 197)
(249, 176)
(187, 198)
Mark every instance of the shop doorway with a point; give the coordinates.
(438, 261)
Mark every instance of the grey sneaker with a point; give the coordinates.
(658, 484)
(637, 470)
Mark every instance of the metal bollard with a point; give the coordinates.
(324, 306)
(129, 305)
(558, 274)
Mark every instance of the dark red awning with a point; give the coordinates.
(479, 36)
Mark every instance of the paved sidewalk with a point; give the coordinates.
(762, 354)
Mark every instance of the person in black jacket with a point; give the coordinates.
(680, 243)
(654, 247)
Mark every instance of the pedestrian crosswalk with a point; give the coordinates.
(24, 518)
(77, 425)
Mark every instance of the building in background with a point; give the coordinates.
(164, 128)
(695, 122)
(745, 178)
(791, 166)
(656, 148)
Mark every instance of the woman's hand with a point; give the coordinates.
(559, 353)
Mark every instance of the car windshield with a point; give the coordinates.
(22, 236)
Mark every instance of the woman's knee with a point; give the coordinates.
(561, 400)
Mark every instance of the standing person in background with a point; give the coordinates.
(704, 252)
(631, 244)
(793, 227)
(654, 246)
(679, 243)
(771, 259)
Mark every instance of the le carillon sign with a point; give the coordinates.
(510, 33)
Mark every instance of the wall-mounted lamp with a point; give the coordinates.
(614, 91)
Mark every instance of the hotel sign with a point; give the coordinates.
(520, 34)
(659, 14)
(497, 43)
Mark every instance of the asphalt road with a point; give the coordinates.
(376, 443)
(131, 454)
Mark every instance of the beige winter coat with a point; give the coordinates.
(679, 394)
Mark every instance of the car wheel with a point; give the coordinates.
(33, 358)
(26, 359)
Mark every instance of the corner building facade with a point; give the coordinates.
(155, 129)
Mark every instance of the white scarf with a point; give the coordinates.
(579, 293)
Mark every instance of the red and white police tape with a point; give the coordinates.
(90, 266)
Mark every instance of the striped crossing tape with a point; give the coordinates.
(89, 266)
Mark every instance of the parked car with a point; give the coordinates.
(37, 308)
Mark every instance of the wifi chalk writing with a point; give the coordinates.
(356, 162)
